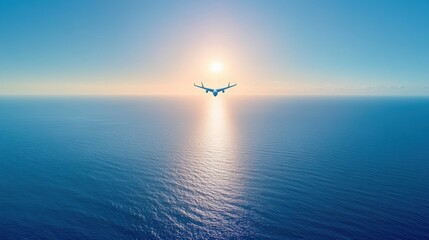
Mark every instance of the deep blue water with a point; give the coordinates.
(214, 168)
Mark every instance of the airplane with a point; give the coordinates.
(215, 91)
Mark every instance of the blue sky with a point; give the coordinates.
(270, 47)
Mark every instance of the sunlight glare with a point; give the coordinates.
(216, 67)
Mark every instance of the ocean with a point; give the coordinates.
(214, 168)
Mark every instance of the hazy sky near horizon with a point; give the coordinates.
(369, 47)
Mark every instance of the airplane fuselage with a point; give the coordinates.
(215, 93)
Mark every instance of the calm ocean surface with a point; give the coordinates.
(214, 168)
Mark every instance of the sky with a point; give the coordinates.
(110, 47)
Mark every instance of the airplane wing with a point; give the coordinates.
(202, 87)
(229, 86)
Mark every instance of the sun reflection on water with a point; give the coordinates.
(211, 182)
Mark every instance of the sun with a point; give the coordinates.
(216, 67)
